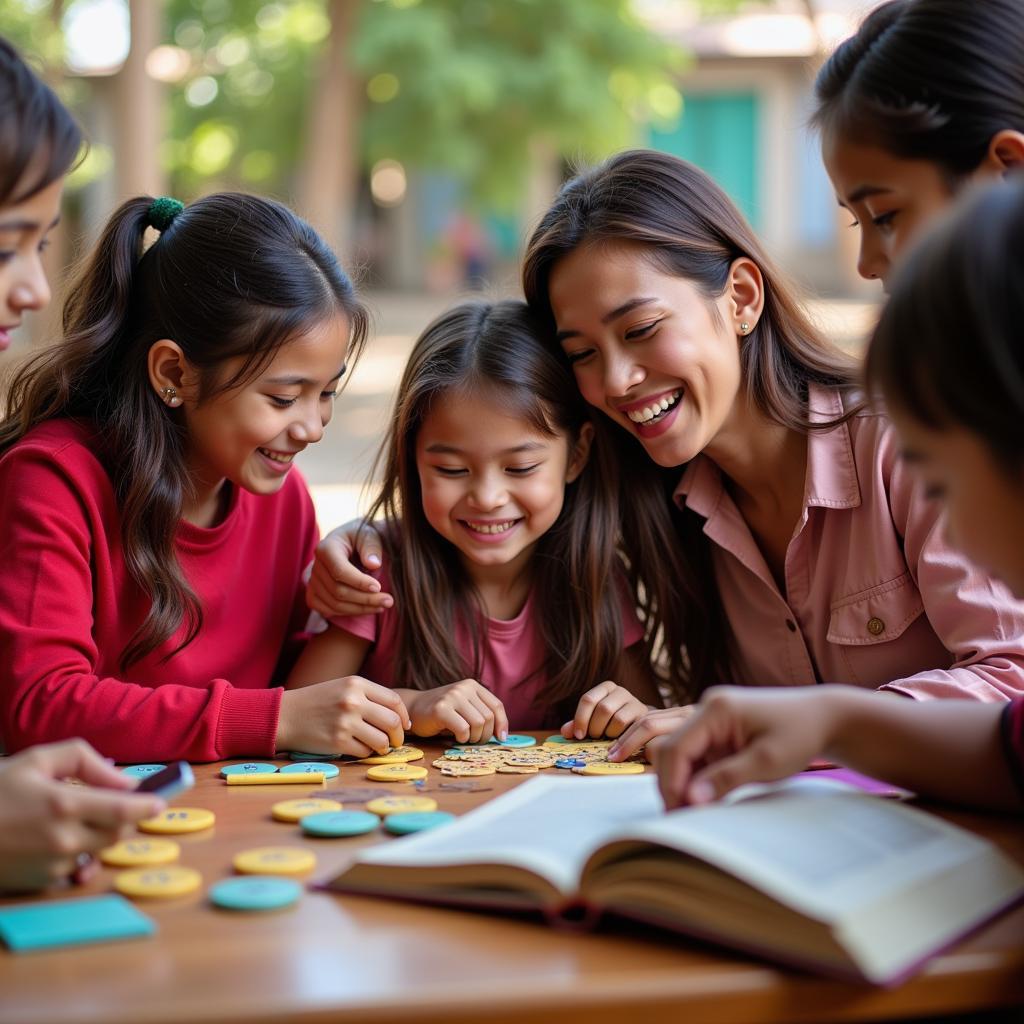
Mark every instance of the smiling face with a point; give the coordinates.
(24, 228)
(250, 435)
(647, 348)
(491, 484)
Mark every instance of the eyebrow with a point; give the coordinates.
(26, 225)
(862, 193)
(450, 449)
(626, 307)
(300, 382)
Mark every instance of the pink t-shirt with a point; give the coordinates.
(512, 656)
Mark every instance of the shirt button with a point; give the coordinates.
(791, 625)
(876, 626)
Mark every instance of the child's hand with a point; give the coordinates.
(656, 722)
(336, 586)
(342, 716)
(45, 822)
(738, 735)
(605, 710)
(466, 709)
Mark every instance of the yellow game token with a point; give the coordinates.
(296, 810)
(518, 769)
(396, 755)
(611, 768)
(396, 772)
(178, 819)
(158, 882)
(385, 805)
(133, 853)
(459, 769)
(275, 860)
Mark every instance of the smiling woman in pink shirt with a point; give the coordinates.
(775, 535)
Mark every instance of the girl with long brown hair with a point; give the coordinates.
(153, 531)
(499, 524)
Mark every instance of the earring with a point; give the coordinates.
(744, 327)
(170, 396)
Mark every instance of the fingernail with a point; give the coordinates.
(701, 792)
(613, 752)
(504, 735)
(373, 559)
(578, 734)
(373, 587)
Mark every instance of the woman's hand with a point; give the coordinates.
(467, 709)
(336, 586)
(605, 710)
(342, 716)
(654, 723)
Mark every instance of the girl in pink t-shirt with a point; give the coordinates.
(500, 527)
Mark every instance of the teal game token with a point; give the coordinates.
(336, 824)
(559, 738)
(513, 741)
(255, 892)
(305, 767)
(142, 771)
(416, 821)
(248, 768)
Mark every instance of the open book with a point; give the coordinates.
(808, 873)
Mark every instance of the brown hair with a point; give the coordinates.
(495, 349)
(233, 276)
(688, 227)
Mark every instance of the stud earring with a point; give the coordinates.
(744, 327)
(170, 396)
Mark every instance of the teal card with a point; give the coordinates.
(71, 923)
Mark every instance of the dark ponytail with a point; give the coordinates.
(232, 277)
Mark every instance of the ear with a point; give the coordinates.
(1005, 153)
(745, 293)
(169, 371)
(580, 453)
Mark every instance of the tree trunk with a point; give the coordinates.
(328, 174)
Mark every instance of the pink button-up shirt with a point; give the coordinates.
(874, 595)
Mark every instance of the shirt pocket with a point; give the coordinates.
(877, 615)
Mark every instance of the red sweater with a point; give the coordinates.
(68, 607)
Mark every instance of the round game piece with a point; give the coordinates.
(570, 762)
(416, 821)
(133, 853)
(142, 771)
(178, 819)
(611, 768)
(396, 773)
(460, 769)
(336, 824)
(255, 892)
(513, 740)
(518, 769)
(248, 768)
(396, 755)
(558, 738)
(302, 755)
(296, 810)
(304, 767)
(274, 860)
(158, 883)
(385, 805)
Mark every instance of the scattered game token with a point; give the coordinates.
(157, 883)
(459, 769)
(513, 741)
(178, 819)
(304, 767)
(133, 853)
(255, 892)
(401, 805)
(557, 738)
(396, 772)
(517, 769)
(416, 821)
(335, 824)
(570, 762)
(396, 755)
(142, 771)
(248, 768)
(611, 768)
(302, 755)
(296, 810)
(275, 860)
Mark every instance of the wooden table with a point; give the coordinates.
(333, 958)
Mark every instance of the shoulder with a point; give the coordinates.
(58, 448)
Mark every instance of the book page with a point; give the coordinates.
(548, 825)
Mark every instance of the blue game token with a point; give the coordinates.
(334, 824)
(142, 771)
(304, 767)
(416, 821)
(248, 768)
(570, 762)
(255, 892)
(513, 741)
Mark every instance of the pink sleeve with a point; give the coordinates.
(975, 616)
(51, 689)
(366, 627)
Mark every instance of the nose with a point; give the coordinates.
(621, 372)
(488, 492)
(31, 290)
(872, 261)
(308, 426)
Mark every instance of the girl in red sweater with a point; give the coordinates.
(153, 529)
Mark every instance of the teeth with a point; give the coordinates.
(492, 527)
(277, 456)
(655, 409)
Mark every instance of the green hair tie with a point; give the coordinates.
(162, 212)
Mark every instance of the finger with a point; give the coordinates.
(386, 721)
(336, 550)
(101, 808)
(498, 713)
(642, 730)
(332, 599)
(76, 759)
(754, 763)
(370, 736)
(674, 770)
(585, 708)
(449, 718)
(355, 748)
(368, 547)
(475, 718)
(483, 709)
(387, 697)
(606, 710)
